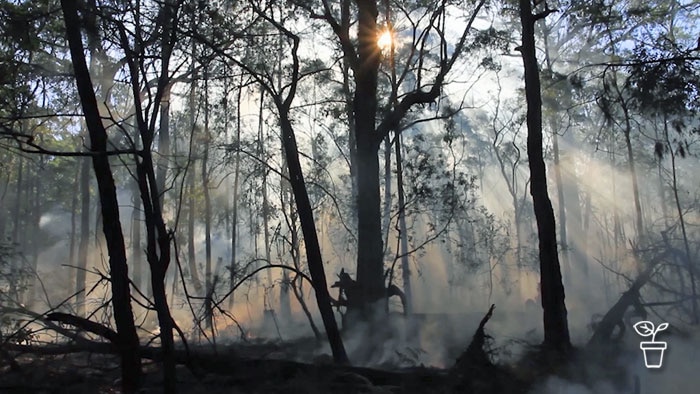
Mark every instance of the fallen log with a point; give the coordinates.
(85, 324)
(603, 333)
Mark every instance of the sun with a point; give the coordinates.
(384, 40)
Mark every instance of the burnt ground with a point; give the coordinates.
(228, 371)
(299, 366)
(270, 368)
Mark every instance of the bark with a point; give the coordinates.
(556, 330)
(308, 227)
(121, 298)
(370, 262)
(295, 284)
(163, 140)
(405, 266)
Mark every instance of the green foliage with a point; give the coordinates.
(662, 86)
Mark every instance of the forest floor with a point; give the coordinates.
(253, 368)
(266, 367)
(299, 366)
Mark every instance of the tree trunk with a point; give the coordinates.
(191, 206)
(121, 297)
(265, 202)
(157, 235)
(386, 217)
(370, 259)
(308, 227)
(405, 267)
(207, 209)
(352, 139)
(556, 330)
(163, 142)
(287, 202)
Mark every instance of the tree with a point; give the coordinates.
(128, 340)
(282, 100)
(372, 123)
(556, 328)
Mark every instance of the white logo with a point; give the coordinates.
(653, 350)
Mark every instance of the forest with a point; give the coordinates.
(349, 196)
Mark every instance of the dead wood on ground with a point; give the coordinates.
(615, 316)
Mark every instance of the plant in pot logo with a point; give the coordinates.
(653, 350)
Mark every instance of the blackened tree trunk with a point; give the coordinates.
(556, 330)
(403, 229)
(303, 204)
(370, 262)
(163, 140)
(121, 299)
(308, 228)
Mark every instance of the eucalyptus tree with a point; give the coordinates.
(663, 86)
(556, 327)
(132, 29)
(420, 80)
(271, 17)
(127, 338)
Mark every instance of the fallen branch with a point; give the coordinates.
(615, 316)
(85, 324)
